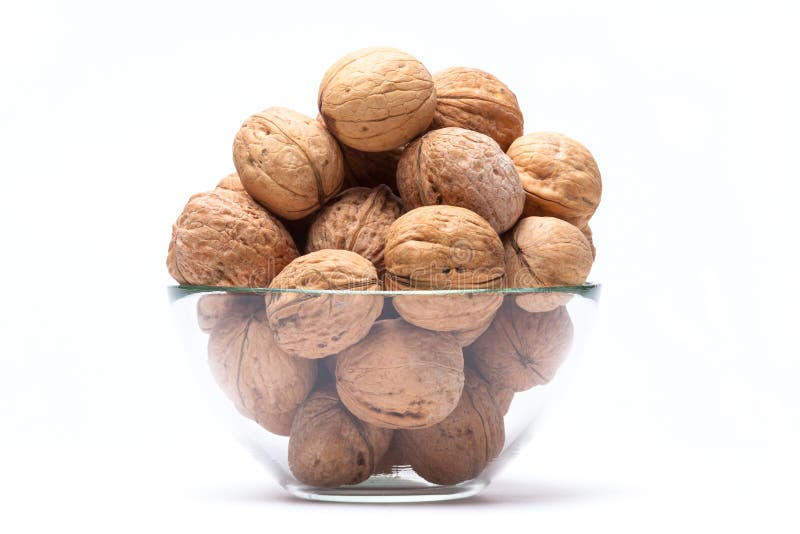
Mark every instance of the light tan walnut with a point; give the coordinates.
(462, 168)
(231, 182)
(213, 308)
(560, 177)
(377, 99)
(356, 220)
(460, 447)
(318, 325)
(522, 349)
(266, 384)
(476, 100)
(224, 238)
(587, 233)
(401, 376)
(329, 447)
(288, 162)
(545, 252)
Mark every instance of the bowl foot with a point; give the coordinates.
(381, 489)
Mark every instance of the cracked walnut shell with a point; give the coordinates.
(318, 325)
(476, 100)
(401, 376)
(224, 238)
(356, 220)
(377, 99)
(560, 177)
(463, 168)
(288, 162)
(329, 447)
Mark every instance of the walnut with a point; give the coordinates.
(502, 397)
(377, 99)
(476, 100)
(315, 326)
(460, 447)
(231, 182)
(224, 238)
(370, 169)
(211, 309)
(329, 447)
(467, 336)
(587, 233)
(264, 382)
(288, 162)
(401, 376)
(461, 168)
(542, 252)
(356, 220)
(560, 177)
(522, 349)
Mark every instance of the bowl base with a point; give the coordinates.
(379, 489)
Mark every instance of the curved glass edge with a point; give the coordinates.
(589, 290)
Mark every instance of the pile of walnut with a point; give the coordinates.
(359, 384)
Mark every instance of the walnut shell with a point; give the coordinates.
(462, 168)
(463, 315)
(377, 99)
(265, 383)
(560, 177)
(224, 238)
(288, 162)
(329, 447)
(542, 252)
(401, 376)
(370, 169)
(522, 349)
(211, 309)
(315, 326)
(231, 183)
(476, 100)
(587, 233)
(460, 447)
(356, 220)
(467, 336)
(502, 397)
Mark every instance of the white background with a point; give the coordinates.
(685, 414)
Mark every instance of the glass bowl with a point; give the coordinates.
(383, 396)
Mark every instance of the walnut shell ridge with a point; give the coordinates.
(288, 162)
(377, 99)
(460, 447)
(315, 326)
(476, 100)
(560, 177)
(224, 238)
(463, 168)
(401, 376)
(356, 220)
(329, 447)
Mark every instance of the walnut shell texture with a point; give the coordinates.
(401, 376)
(542, 252)
(213, 308)
(231, 183)
(370, 169)
(560, 177)
(443, 247)
(329, 447)
(288, 162)
(264, 382)
(460, 447)
(463, 315)
(356, 220)
(476, 100)
(377, 99)
(587, 233)
(315, 326)
(462, 168)
(224, 238)
(521, 349)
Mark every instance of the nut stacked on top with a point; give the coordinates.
(356, 384)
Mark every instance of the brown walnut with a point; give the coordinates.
(266, 384)
(329, 447)
(224, 238)
(401, 376)
(462, 168)
(356, 220)
(231, 182)
(371, 169)
(377, 99)
(587, 233)
(476, 100)
(560, 177)
(213, 308)
(460, 447)
(318, 325)
(522, 349)
(288, 162)
(542, 252)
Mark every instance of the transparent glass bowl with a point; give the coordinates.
(388, 396)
